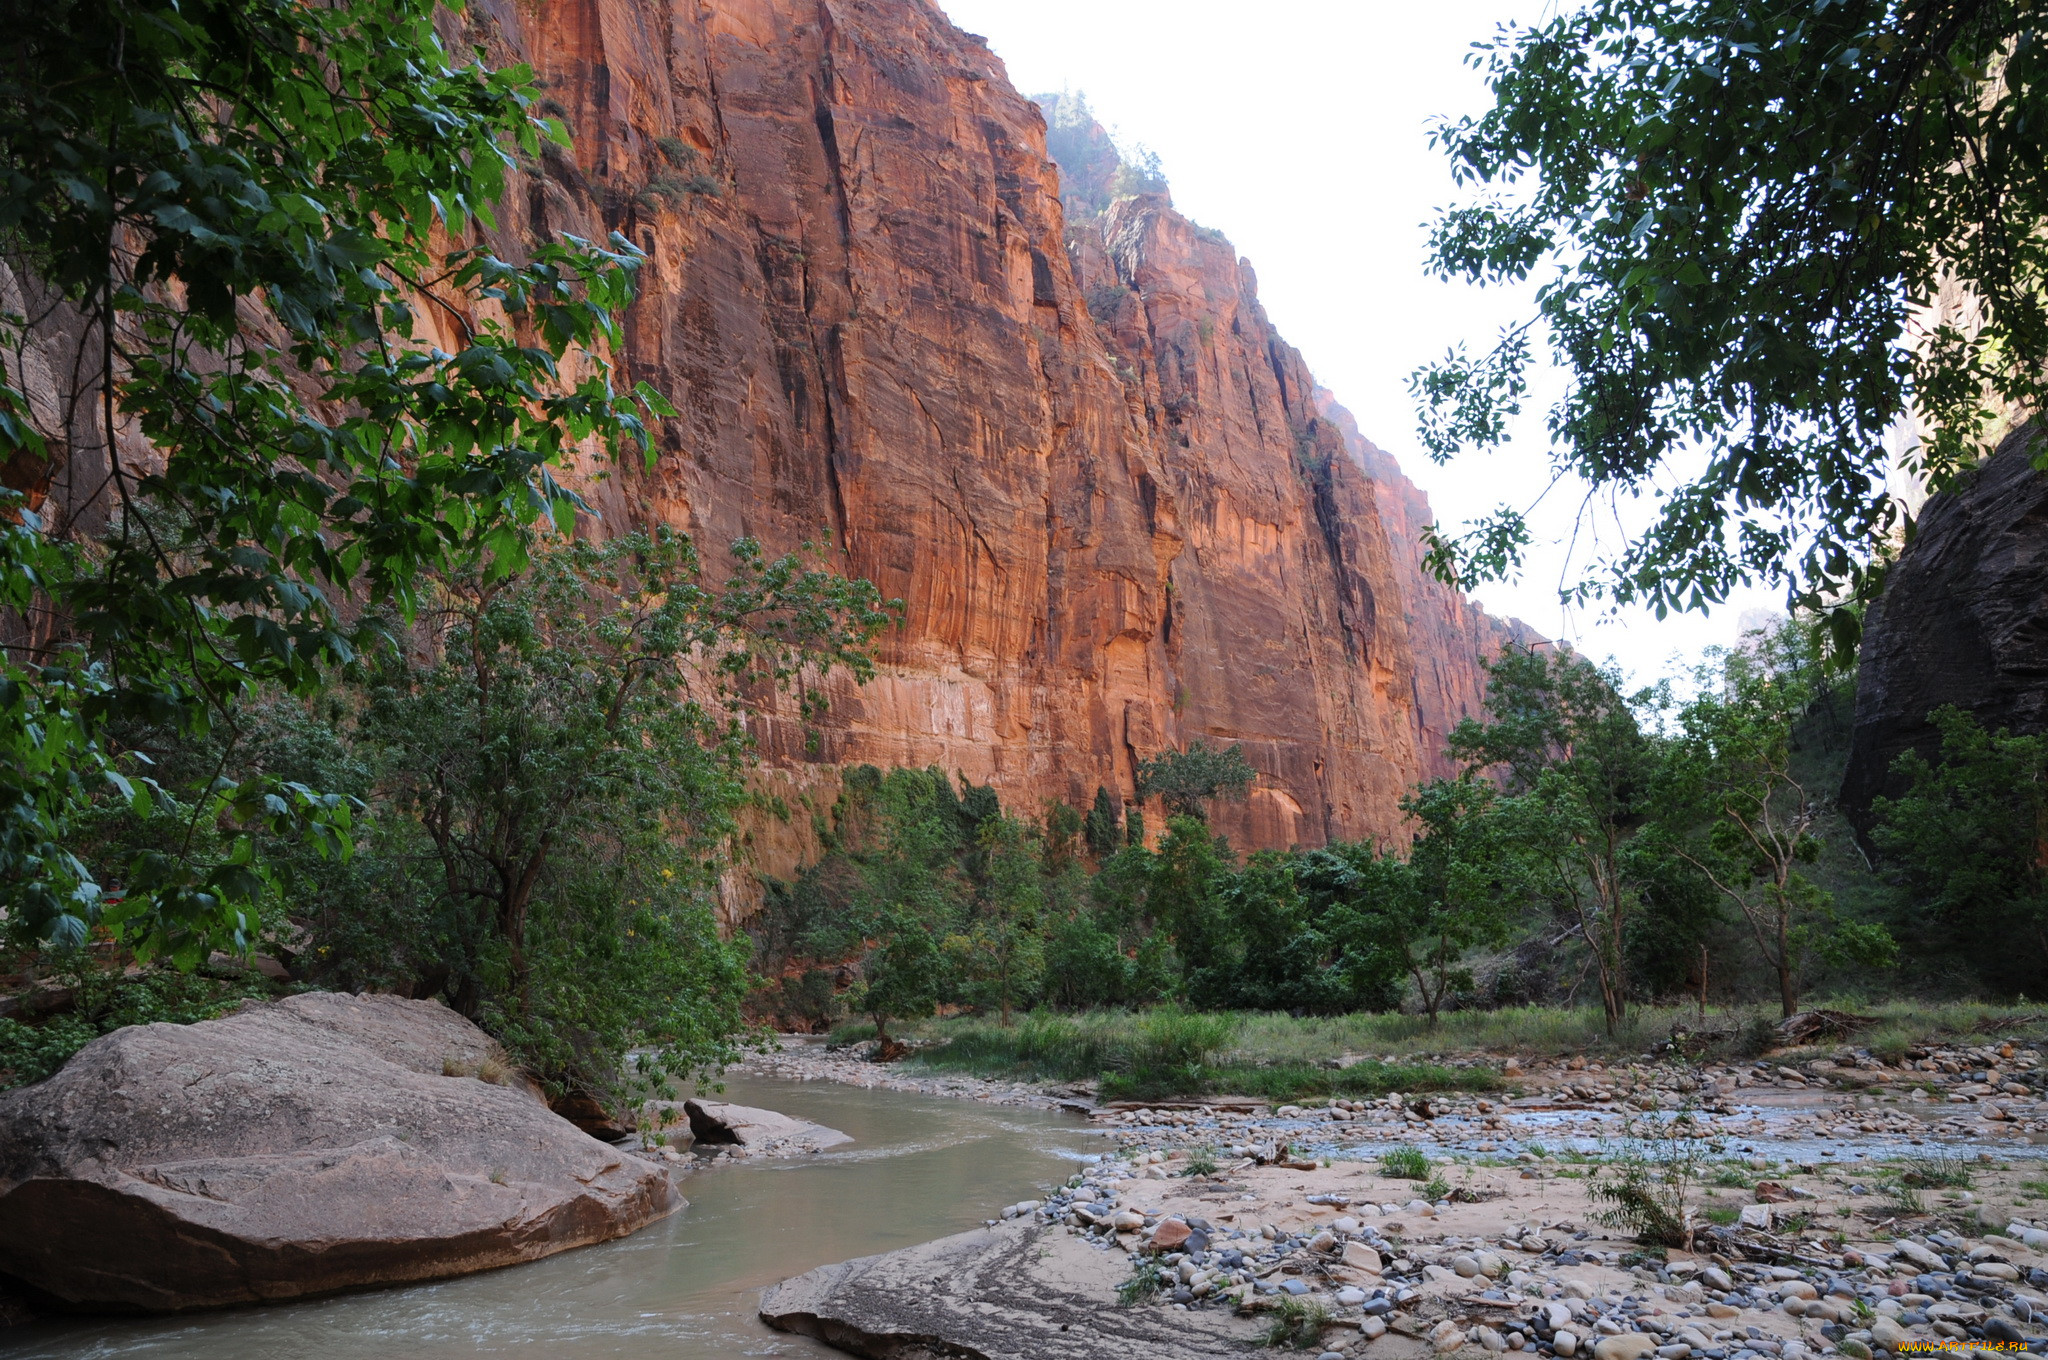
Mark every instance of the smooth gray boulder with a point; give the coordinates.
(1017, 1291)
(300, 1147)
(760, 1132)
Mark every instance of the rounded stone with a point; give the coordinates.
(1627, 1346)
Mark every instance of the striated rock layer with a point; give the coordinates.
(1118, 510)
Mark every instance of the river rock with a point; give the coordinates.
(760, 1132)
(1627, 1346)
(295, 1148)
(1919, 1255)
(1170, 1233)
(1359, 1256)
(1015, 1291)
(1888, 1334)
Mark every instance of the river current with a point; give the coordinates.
(683, 1289)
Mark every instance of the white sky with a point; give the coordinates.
(1300, 129)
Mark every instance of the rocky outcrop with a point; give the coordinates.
(1119, 512)
(760, 1132)
(1017, 1291)
(1105, 488)
(296, 1148)
(1963, 620)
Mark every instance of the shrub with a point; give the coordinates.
(1405, 1164)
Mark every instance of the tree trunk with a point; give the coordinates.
(1788, 986)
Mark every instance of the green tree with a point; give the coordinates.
(1459, 896)
(1577, 771)
(1357, 897)
(1101, 829)
(1063, 824)
(904, 833)
(1732, 771)
(235, 206)
(1004, 944)
(1966, 845)
(1189, 779)
(1734, 212)
(571, 750)
(1181, 894)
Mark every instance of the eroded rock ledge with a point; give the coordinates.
(1017, 1291)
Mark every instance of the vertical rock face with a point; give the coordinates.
(1963, 620)
(1119, 511)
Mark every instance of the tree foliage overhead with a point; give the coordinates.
(1734, 211)
(240, 205)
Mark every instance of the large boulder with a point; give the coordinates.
(760, 1132)
(1963, 621)
(313, 1144)
(1011, 1292)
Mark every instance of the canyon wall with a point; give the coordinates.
(1119, 511)
(1963, 620)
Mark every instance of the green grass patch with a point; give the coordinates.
(1938, 1171)
(1405, 1164)
(1167, 1052)
(1297, 1324)
(1142, 1287)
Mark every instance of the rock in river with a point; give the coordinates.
(758, 1131)
(295, 1148)
(1017, 1291)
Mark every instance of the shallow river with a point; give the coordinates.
(684, 1289)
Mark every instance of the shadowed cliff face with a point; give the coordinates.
(1961, 621)
(1119, 511)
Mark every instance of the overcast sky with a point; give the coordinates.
(1300, 129)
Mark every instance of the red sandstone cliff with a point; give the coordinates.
(1120, 513)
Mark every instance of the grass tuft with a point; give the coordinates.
(1297, 1324)
(1405, 1164)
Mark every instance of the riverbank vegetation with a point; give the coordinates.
(1670, 857)
(1304, 1059)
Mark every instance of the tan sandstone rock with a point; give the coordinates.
(295, 1148)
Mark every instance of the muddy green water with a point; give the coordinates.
(684, 1289)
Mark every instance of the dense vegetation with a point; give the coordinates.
(319, 669)
(1599, 845)
(325, 671)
